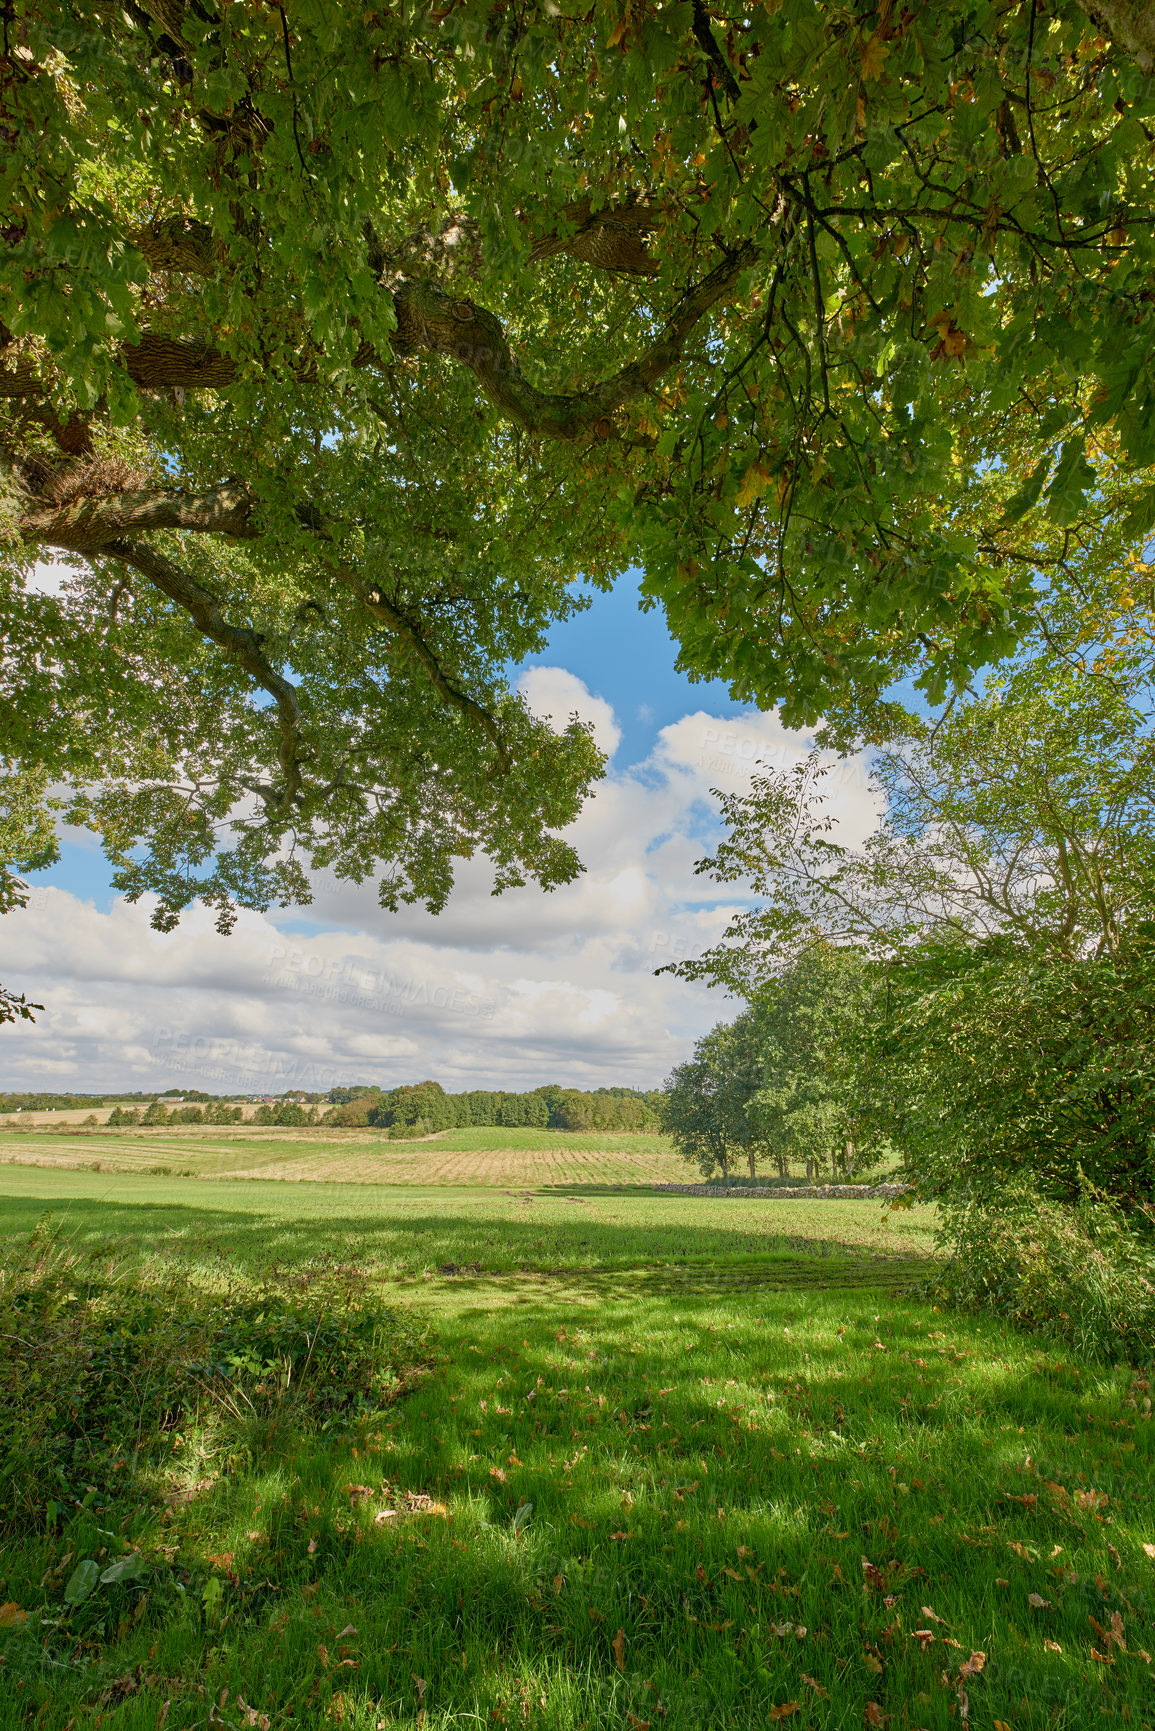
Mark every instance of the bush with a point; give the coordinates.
(99, 1361)
(999, 1067)
(354, 1114)
(1084, 1274)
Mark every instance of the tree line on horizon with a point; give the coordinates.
(425, 1107)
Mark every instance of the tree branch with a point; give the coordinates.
(87, 524)
(380, 606)
(240, 642)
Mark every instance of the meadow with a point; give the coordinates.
(643, 1461)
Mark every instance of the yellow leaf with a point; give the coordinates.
(874, 53)
(754, 483)
(617, 33)
(11, 1616)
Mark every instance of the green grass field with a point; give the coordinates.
(767, 1483)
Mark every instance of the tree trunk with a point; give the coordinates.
(750, 1157)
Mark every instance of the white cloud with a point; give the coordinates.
(557, 695)
(509, 991)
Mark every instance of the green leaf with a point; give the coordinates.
(84, 1577)
(129, 1568)
(1074, 477)
(1028, 494)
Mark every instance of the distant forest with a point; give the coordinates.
(425, 1107)
(413, 1110)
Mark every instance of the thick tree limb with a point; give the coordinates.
(430, 319)
(1130, 23)
(87, 525)
(240, 642)
(612, 239)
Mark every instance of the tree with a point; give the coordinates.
(1008, 897)
(704, 1108)
(336, 344)
(808, 1029)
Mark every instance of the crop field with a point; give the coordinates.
(634, 1461)
(473, 1157)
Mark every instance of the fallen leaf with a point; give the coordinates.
(1001, 1725)
(924, 1637)
(312, 1546)
(358, 1493)
(822, 1693)
(874, 1714)
(384, 1515)
(972, 1666)
(11, 1616)
(786, 1711)
(926, 1611)
(619, 1646)
(162, 1716)
(1150, 1550)
(1050, 1646)
(224, 1559)
(347, 1630)
(1038, 1603)
(497, 1473)
(872, 1663)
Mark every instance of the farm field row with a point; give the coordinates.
(501, 1158)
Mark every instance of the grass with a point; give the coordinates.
(400, 1232)
(662, 1472)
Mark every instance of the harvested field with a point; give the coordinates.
(505, 1158)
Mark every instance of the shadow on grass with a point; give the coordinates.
(735, 1494)
(252, 1243)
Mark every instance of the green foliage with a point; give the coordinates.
(810, 1028)
(97, 1362)
(995, 1067)
(333, 355)
(1082, 1274)
(705, 1104)
(290, 1113)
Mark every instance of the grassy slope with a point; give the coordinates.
(749, 1503)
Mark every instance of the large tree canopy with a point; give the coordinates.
(335, 342)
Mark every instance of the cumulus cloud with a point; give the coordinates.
(557, 695)
(507, 991)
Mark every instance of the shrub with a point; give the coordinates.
(1082, 1273)
(98, 1361)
